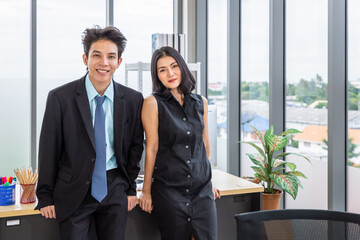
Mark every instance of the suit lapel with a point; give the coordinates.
(119, 117)
(82, 101)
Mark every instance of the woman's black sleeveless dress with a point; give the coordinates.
(182, 191)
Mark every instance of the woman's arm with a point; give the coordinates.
(150, 121)
(206, 127)
(217, 193)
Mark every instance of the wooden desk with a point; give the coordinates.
(238, 195)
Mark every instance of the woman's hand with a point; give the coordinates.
(217, 193)
(146, 202)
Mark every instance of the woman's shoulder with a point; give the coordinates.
(150, 101)
(205, 101)
(201, 99)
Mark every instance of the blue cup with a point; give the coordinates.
(7, 195)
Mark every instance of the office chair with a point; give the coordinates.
(298, 224)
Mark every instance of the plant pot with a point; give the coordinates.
(271, 201)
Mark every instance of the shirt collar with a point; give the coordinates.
(92, 93)
(187, 96)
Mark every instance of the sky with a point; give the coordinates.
(60, 50)
(305, 39)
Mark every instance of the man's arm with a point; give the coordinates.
(50, 150)
(136, 149)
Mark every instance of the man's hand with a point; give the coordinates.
(48, 212)
(217, 193)
(132, 200)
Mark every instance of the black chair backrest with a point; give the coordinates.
(297, 224)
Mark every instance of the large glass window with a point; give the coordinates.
(306, 97)
(15, 85)
(138, 20)
(353, 169)
(254, 75)
(217, 81)
(60, 27)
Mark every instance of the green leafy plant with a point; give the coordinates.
(269, 168)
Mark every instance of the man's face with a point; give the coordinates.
(102, 61)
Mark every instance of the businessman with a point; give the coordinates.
(90, 145)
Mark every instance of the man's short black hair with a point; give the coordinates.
(187, 79)
(91, 35)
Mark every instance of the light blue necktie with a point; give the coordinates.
(99, 185)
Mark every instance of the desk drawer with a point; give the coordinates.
(29, 227)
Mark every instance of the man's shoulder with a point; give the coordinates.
(67, 87)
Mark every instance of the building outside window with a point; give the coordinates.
(217, 81)
(254, 75)
(353, 85)
(306, 97)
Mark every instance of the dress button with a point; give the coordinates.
(188, 132)
(93, 160)
(187, 190)
(188, 161)
(187, 204)
(189, 219)
(87, 182)
(184, 119)
(188, 176)
(187, 146)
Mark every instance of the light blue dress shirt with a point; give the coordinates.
(108, 107)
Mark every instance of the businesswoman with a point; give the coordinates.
(177, 185)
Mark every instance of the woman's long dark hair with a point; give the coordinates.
(187, 79)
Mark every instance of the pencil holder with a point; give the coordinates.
(27, 193)
(7, 195)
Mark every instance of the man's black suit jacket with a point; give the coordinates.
(67, 146)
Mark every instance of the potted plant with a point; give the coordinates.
(269, 168)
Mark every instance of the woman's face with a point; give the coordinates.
(169, 72)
